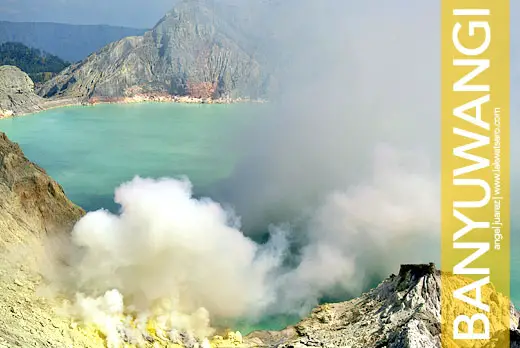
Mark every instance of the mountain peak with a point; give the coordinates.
(195, 50)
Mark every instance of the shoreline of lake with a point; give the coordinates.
(49, 104)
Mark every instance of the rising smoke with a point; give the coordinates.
(339, 176)
(354, 137)
(169, 256)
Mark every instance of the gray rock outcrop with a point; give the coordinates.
(17, 92)
(402, 312)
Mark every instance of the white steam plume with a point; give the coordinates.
(169, 256)
(363, 232)
(184, 262)
(353, 75)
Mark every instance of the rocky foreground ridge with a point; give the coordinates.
(403, 311)
(32, 206)
(31, 203)
(194, 50)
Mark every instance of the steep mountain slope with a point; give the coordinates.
(194, 50)
(67, 41)
(32, 205)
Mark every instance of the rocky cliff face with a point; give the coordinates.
(17, 92)
(31, 205)
(402, 312)
(193, 50)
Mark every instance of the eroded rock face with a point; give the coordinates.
(193, 50)
(17, 92)
(402, 312)
(31, 203)
(32, 206)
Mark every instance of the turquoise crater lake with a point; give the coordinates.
(92, 150)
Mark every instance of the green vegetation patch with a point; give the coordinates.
(39, 65)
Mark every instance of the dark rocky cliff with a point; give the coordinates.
(194, 50)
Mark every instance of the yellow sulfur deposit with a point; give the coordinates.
(233, 339)
(129, 332)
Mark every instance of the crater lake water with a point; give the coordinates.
(92, 150)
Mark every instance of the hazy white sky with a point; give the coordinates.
(132, 13)
(129, 13)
